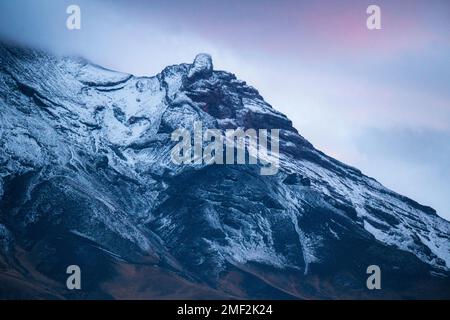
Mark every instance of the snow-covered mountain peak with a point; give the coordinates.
(85, 157)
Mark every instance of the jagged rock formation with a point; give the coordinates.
(86, 178)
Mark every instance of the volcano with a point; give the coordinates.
(86, 179)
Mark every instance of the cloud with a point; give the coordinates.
(415, 161)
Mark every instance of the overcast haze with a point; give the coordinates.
(378, 100)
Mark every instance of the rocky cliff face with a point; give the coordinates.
(86, 178)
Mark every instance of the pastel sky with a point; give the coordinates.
(378, 100)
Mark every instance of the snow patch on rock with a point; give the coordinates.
(202, 66)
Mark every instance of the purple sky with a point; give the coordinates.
(378, 100)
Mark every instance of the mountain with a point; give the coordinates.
(87, 178)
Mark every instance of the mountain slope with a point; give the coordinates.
(86, 178)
